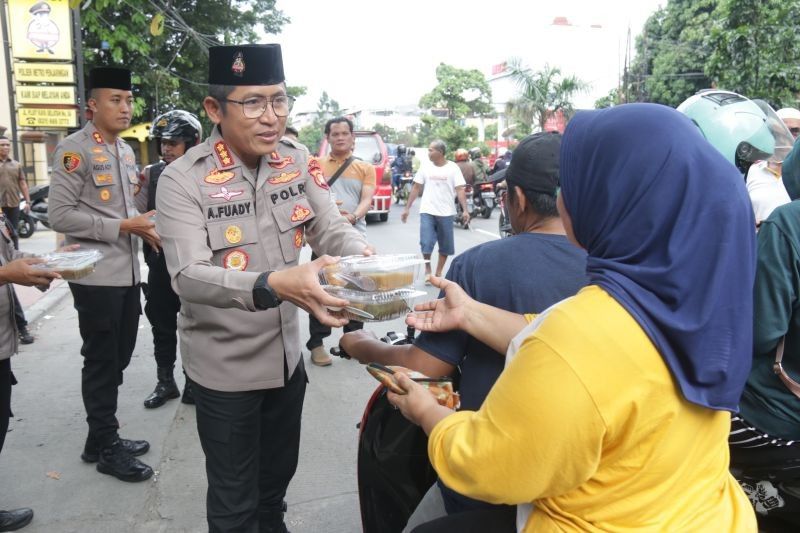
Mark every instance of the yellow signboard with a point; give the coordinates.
(44, 72)
(29, 94)
(47, 118)
(40, 29)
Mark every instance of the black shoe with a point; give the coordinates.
(25, 336)
(91, 453)
(166, 389)
(188, 395)
(116, 461)
(271, 521)
(15, 519)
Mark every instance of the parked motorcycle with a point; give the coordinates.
(402, 192)
(38, 212)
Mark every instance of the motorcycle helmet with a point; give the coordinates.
(462, 155)
(475, 153)
(401, 150)
(177, 125)
(743, 130)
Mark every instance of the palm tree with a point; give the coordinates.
(542, 93)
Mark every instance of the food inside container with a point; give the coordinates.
(375, 306)
(71, 265)
(374, 273)
(441, 388)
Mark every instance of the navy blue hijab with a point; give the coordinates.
(669, 230)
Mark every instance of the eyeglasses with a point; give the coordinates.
(256, 106)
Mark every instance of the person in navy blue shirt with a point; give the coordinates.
(525, 273)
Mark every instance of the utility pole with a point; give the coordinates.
(77, 37)
(10, 66)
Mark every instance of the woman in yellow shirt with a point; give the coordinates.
(614, 410)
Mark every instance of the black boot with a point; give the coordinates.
(116, 461)
(188, 394)
(91, 451)
(272, 521)
(25, 337)
(166, 389)
(15, 519)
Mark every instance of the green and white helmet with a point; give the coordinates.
(743, 130)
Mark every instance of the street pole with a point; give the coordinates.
(78, 47)
(10, 67)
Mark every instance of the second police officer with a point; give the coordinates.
(233, 214)
(174, 133)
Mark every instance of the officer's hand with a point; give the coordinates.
(404, 216)
(144, 227)
(300, 285)
(22, 272)
(357, 343)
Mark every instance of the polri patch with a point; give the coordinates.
(236, 260)
(71, 161)
(315, 170)
(283, 177)
(299, 213)
(105, 195)
(227, 194)
(218, 178)
(277, 162)
(223, 154)
(233, 234)
(97, 137)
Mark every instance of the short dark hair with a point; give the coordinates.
(337, 120)
(542, 204)
(291, 130)
(220, 93)
(4, 138)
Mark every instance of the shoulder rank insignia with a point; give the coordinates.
(315, 170)
(236, 260)
(299, 213)
(218, 178)
(283, 177)
(97, 137)
(71, 161)
(277, 162)
(223, 154)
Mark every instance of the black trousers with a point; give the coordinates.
(162, 306)
(19, 314)
(12, 214)
(6, 380)
(501, 520)
(318, 331)
(108, 318)
(251, 441)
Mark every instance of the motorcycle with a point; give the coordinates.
(503, 223)
(403, 191)
(394, 472)
(480, 203)
(38, 211)
(488, 199)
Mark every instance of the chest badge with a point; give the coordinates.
(97, 150)
(97, 137)
(236, 260)
(283, 177)
(315, 170)
(71, 161)
(298, 238)
(99, 158)
(217, 177)
(223, 154)
(226, 194)
(233, 234)
(104, 178)
(299, 213)
(105, 195)
(277, 162)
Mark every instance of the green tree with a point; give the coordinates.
(541, 93)
(755, 49)
(170, 68)
(609, 100)
(462, 92)
(452, 132)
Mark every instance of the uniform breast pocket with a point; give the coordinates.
(233, 236)
(290, 217)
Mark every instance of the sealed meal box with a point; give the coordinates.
(71, 265)
(374, 272)
(375, 306)
(441, 388)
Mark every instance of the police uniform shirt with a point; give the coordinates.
(220, 228)
(92, 190)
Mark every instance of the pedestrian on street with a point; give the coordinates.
(92, 202)
(443, 183)
(491, 274)
(352, 183)
(14, 268)
(174, 133)
(233, 214)
(12, 185)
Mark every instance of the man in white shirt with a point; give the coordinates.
(443, 182)
(766, 189)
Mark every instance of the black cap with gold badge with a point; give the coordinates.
(110, 78)
(250, 64)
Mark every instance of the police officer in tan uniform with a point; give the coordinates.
(233, 213)
(92, 192)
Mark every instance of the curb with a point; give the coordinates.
(47, 302)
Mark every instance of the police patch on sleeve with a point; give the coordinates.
(71, 161)
(236, 260)
(315, 170)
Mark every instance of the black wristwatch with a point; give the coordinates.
(264, 296)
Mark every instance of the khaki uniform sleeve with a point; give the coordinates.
(64, 198)
(329, 232)
(182, 226)
(140, 200)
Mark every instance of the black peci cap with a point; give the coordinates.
(534, 166)
(251, 64)
(110, 78)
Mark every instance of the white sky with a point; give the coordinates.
(352, 48)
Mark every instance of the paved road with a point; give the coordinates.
(40, 465)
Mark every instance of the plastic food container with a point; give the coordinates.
(71, 265)
(374, 273)
(375, 306)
